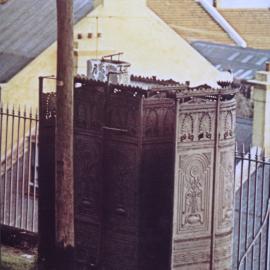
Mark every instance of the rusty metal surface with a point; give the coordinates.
(124, 169)
(116, 155)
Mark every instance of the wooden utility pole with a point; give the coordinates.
(64, 179)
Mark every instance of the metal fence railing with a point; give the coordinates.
(18, 168)
(252, 210)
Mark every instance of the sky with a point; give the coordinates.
(244, 3)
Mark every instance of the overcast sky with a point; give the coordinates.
(244, 3)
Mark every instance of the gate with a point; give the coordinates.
(18, 168)
(252, 211)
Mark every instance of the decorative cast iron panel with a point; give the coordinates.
(131, 212)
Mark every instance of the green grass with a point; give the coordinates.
(14, 259)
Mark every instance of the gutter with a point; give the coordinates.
(212, 11)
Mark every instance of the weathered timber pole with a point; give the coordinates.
(64, 186)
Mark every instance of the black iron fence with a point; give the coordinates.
(18, 168)
(252, 211)
(245, 89)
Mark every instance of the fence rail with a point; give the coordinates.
(18, 168)
(252, 212)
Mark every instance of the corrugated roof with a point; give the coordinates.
(27, 28)
(242, 62)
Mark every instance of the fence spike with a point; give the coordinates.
(36, 113)
(249, 152)
(256, 153)
(263, 153)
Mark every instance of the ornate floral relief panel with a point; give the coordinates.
(151, 123)
(159, 119)
(228, 125)
(196, 126)
(227, 121)
(198, 101)
(169, 122)
(223, 251)
(187, 128)
(205, 127)
(194, 193)
(225, 188)
(196, 253)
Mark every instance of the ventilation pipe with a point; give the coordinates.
(223, 23)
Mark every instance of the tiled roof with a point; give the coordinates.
(251, 24)
(27, 28)
(189, 19)
(242, 62)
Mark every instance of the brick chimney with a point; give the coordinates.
(217, 3)
(261, 117)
